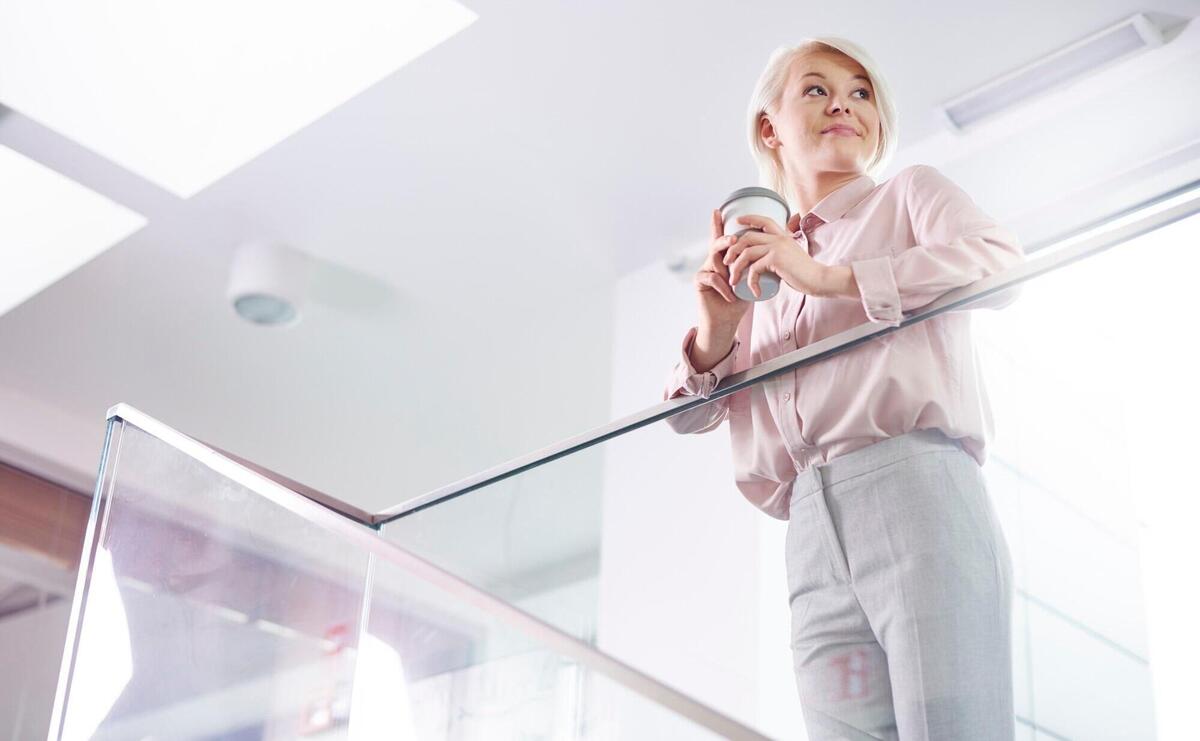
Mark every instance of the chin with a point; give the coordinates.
(841, 162)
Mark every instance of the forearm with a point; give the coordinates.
(711, 345)
(838, 282)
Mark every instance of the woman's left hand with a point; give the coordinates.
(775, 250)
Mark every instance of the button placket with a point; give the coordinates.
(791, 417)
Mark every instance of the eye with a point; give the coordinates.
(866, 93)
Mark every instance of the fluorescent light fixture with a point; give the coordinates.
(1059, 69)
(50, 226)
(184, 92)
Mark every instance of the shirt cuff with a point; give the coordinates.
(877, 285)
(689, 381)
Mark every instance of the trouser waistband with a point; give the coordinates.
(869, 458)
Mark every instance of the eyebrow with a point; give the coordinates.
(818, 74)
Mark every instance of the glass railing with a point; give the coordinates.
(215, 603)
(617, 584)
(634, 538)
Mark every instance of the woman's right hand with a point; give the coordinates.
(720, 309)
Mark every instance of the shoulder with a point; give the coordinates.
(925, 184)
(913, 177)
(921, 176)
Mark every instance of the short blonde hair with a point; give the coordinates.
(769, 90)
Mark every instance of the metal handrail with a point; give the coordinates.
(1159, 212)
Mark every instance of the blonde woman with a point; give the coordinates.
(899, 576)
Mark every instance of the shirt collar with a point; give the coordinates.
(833, 206)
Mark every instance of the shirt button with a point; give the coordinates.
(787, 397)
(787, 334)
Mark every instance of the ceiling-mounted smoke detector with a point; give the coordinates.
(1059, 69)
(267, 283)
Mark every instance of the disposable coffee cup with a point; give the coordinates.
(759, 202)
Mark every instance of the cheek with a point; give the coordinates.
(876, 133)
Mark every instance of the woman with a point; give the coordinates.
(899, 576)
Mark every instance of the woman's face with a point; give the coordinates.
(824, 90)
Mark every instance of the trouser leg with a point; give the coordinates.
(841, 670)
(933, 573)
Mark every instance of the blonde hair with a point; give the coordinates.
(769, 90)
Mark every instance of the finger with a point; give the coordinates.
(765, 223)
(722, 287)
(755, 237)
(710, 280)
(793, 224)
(723, 243)
(756, 270)
(744, 242)
(715, 260)
(732, 253)
(718, 224)
(748, 256)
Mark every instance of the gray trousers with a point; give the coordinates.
(900, 584)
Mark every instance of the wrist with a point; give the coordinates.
(837, 281)
(711, 334)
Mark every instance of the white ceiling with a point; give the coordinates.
(469, 215)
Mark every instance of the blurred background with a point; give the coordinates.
(380, 247)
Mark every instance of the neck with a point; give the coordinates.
(810, 187)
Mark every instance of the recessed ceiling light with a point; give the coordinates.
(263, 308)
(51, 225)
(184, 92)
(268, 283)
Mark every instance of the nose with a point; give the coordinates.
(837, 105)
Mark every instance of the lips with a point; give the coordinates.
(839, 129)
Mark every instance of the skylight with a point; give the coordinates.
(50, 226)
(184, 92)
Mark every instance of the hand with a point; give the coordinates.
(774, 249)
(719, 307)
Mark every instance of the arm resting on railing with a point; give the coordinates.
(686, 380)
(957, 244)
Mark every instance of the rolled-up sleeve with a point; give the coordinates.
(685, 380)
(957, 244)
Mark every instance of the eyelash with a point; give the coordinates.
(868, 92)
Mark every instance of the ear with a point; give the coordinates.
(766, 131)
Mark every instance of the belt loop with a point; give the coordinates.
(807, 482)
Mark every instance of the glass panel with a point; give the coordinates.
(208, 609)
(643, 546)
(1092, 376)
(434, 668)
(647, 579)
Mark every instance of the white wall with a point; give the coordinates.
(692, 582)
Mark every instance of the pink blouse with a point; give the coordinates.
(908, 241)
